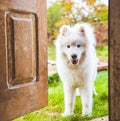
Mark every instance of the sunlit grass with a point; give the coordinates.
(102, 52)
(56, 102)
(51, 51)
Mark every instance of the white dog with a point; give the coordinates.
(77, 65)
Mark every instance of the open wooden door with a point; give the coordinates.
(114, 68)
(23, 57)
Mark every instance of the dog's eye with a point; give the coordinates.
(78, 45)
(68, 46)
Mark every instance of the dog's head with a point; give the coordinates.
(73, 42)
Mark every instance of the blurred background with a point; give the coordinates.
(75, 11)
(70, 12)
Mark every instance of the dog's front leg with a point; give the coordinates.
(86, 97)
(69, 97)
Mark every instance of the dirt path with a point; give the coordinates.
(101, 119)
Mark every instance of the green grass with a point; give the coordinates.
(56, 102)
(51, 51)
(102, 52)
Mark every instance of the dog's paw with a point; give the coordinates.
(67, 114)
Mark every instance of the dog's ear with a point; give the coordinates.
(64, 30)
(82, 31)
(87, 31)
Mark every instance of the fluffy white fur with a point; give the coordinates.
(77, 65)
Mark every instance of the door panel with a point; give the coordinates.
(21, 39)
(23, 57)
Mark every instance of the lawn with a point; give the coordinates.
(56, 104)
(102, 52)
(51, 51)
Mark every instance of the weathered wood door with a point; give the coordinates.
(23, 57)
(114, 45)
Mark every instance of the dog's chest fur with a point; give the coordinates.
(76, 78)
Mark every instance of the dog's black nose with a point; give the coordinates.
(74, 56)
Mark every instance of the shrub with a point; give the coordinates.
(101, 32)
(54, 14)
(53, 79)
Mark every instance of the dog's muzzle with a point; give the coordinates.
(74, 59)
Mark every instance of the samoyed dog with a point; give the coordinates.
(77, 65)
